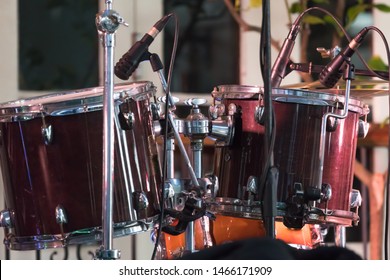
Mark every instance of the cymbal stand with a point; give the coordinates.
(107, 22)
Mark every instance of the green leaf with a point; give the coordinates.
(329, 20)
(313, 20)
(377, 63)
(296, 8)
(382, 7)
(354, 11)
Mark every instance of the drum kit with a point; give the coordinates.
(53, 167)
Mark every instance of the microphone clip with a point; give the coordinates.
(349, 70)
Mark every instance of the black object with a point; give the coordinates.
(270, 249)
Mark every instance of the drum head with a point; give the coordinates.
(71, 102)
(318, 98)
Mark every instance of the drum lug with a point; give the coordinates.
(155, 108)
(169, 191)
(47, 134)
(232, 109)
(222, 129)
(210, 185)
(61, 216)
(5, 219)
(356, 201)
(355, 198)
(332, 124)
(363, 128)
(326, 192)
(216, 111)
(126, 120)
(141, 201)
(157, 128)
(259, 115)
(252, 188)
(169, 194)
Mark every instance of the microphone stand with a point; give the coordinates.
(107, 22)
(269, 199)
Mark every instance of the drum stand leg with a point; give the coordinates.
(340, 236)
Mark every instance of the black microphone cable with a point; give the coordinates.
(289, 41)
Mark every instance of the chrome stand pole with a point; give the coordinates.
(107, 22)
(196, 128)
(340, 236)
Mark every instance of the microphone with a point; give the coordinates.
(280, 67)
(130, 60)
(331, 73)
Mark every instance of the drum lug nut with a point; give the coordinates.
(126, 120)
(252, 186)
(5, 219)
(47, 134)
(363, 128)
(61, 216)
(326, 192)
(213, 187)
(355, 198)
(332, 124)
(216, 111)
(232, 109)
(141, 201)
(155, 108)
(259, 115)
(169, 192)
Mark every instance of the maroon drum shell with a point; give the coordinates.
(296, 150)
(68, 172)
(244, 158)
(297, 145)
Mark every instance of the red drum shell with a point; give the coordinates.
(297, 145)
(298, 115)
(68, 172)
(244, 158)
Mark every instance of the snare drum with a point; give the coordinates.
(298, 120)
(51, 160)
